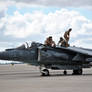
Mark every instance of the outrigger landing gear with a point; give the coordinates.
(77, 72)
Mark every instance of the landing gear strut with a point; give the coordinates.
(44, 71)
(77, 72)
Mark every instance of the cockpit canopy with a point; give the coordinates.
(26, 46)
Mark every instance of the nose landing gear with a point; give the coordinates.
(45, 72)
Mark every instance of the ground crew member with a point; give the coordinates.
(49, 42)
(67, 36)
(62, 42)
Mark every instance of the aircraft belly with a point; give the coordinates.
(65, 67)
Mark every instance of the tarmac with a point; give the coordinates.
(26, 78)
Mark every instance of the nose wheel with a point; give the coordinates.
(45, 72)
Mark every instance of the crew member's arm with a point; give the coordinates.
(53, 44)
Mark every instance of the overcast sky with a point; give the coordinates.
(34, 20)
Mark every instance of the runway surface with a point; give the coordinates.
(26, 78)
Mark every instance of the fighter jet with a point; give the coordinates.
(55, 58)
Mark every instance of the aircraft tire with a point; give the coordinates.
(80, 71)
(65, 72)
(77, 72)
(45, 72)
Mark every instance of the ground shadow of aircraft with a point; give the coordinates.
(55, 58)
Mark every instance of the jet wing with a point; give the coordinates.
(79, 50)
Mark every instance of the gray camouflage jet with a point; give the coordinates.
(56, 58)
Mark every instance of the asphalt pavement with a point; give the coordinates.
(26, 78)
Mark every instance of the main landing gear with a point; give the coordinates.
(77, 72)
(65, 72)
